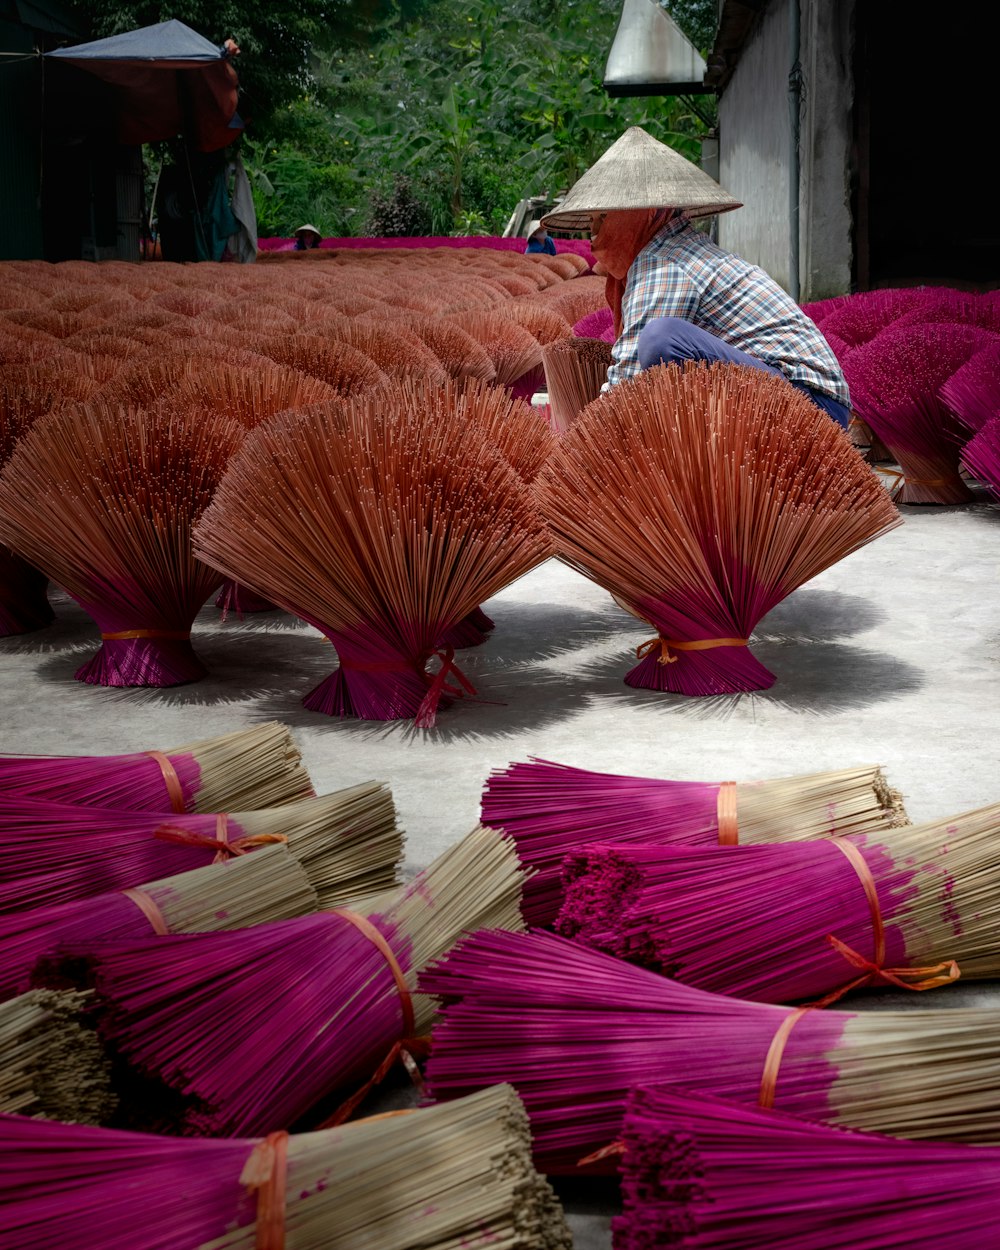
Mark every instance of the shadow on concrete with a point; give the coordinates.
(544, 663)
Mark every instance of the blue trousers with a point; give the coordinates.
(667, 340)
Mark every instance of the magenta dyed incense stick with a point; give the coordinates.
(241, 891)
(778, 923)
(973, 390)
(552, 809)
(384, 530)
(257, 767)
(981, 456)
(703, 1172)
(700, 497)
(896, 382)
(300, 1011)
(574, 1030)
(439, 1178)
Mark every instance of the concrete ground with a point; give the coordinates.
(891, 656)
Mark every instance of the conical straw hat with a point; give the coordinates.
(638, 171)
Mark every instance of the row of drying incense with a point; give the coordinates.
(310, 1011)
(699, 498)
(923, 366)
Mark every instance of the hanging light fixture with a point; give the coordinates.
(651, 55)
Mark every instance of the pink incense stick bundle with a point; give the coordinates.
(303, 1010)
(981, 456)
(896, 382)
(973, 390)
(102, 500)
(801, 920)
(573, 1030)
(696, 1168)
(596, 325)
(251, 889)
(383, 530)
(259, 767)
(701, 497)
(860, 317)
(51, 853)
(552, 809)
(438, 1178)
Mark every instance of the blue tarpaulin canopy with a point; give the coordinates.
(168, 80)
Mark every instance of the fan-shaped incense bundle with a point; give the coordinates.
(50, 853)
(973, 390)
(599, 324)
(573, 1030)
(895, 382)
(438, 1178)
(981, 456)
(697, 1168)
(577, 298)
(341, 366)
(336, 991)
(788, 922)
(575, 371)
(513, 350)
(544, 323)
(41, 1032)
(26, 394)
(251, 889)
(381, 529)
(860, 317)
(249, 768)
(460, 354)
(102, 500)
(702, 497)
(551, 810)
(397, 350)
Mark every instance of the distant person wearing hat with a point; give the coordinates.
(674, 294)
(306, 237)
(539, 241)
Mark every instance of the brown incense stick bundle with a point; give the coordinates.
(701, 497)
(397, 351)
(460, 354)
(546, 324)
(575, 371)
(102, 500)
(383, 530)
(577, 298)
(562, 265)
(51, 1062)
(186, 301)
(250, 394)
(514, 350)
(340, 365)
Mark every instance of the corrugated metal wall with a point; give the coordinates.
(20, 147)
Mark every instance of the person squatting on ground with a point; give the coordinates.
(675, 294)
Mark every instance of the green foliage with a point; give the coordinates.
(399, 212)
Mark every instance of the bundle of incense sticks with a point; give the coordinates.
(695, 1169)
(513, 349)
(573, 1030)
(438, 1178)
(252, 889)
(701, 497)
(802, 920)
(858, 318)
(347, 842)
(40, 1033)
(575, 371)
(381, 529)
(552, 809)
(461, 355)
(896, 382)
(102, 500)
(397, 351)
(25, 395)
(347, 369)
(599, 324)
(973, 390)
(258, 767)
(981, 456)
(336, 991)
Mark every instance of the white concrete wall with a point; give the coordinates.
(756, 156)
(825, 222)
(754, 146)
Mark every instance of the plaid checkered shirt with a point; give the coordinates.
(682, 273)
